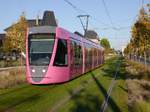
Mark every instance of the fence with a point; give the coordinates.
(140, 59)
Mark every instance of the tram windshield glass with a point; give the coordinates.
(40, 49)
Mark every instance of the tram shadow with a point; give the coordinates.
(84, 102)
(111, 70)
(10, 108)
(114, 107)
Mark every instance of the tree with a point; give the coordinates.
(105, 43)
(140, 41)
(15, 36)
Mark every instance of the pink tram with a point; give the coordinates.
(54, 55)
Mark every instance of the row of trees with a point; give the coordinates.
(140, 41)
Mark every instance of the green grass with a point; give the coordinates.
(94, 84)
(92, 96)
(141, 106)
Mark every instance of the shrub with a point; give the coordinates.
(11, 78)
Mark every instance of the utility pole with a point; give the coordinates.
(85, 27)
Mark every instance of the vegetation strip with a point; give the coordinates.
(105, 102)
(138, 85)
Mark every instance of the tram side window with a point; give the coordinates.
(80, 55)
(88, 55)
(72, 53)
(77, 53)
(61, 58)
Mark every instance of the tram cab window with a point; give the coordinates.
(61, 58)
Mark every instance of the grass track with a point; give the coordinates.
(32, 98)
(91, 98)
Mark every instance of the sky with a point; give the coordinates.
(104, 16)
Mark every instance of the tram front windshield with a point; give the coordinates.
(40, 49)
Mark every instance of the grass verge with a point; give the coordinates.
(138, 87)
(12, 77)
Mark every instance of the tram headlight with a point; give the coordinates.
(43, 70)
(33, 70)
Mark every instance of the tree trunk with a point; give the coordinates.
(145, 58)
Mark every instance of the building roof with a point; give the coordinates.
(91, 34)
(2, 36)
(32, 22)
(47, 20)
